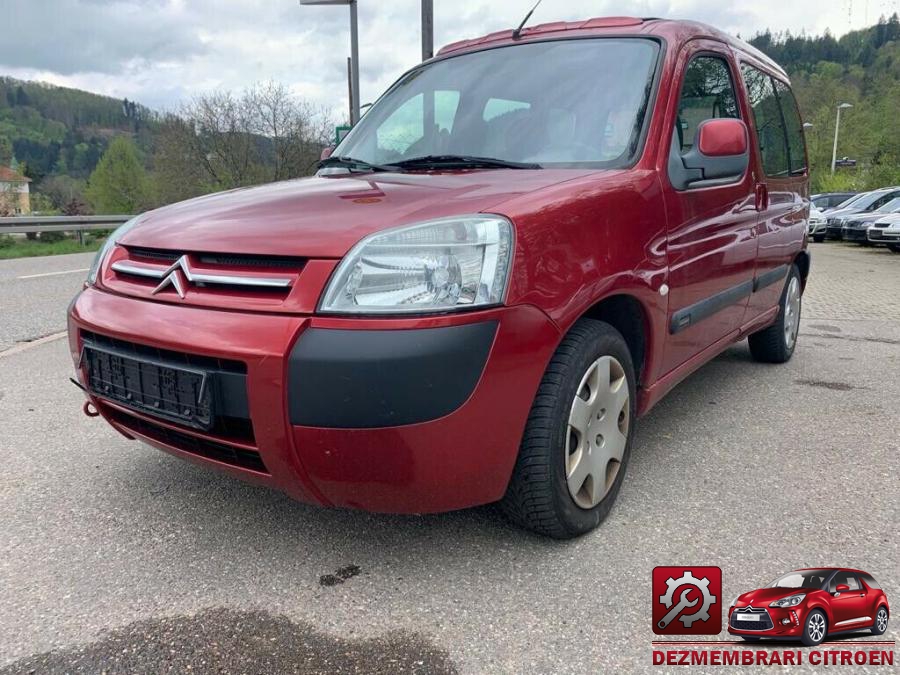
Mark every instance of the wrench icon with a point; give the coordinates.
(680, 605)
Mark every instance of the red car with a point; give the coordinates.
(809, 605)
(522, 247)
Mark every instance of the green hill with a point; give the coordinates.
(54, 129)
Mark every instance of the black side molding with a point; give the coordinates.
(773, 276)
(355, 379)
(694, 314)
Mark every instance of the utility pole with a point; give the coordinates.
(427, 29)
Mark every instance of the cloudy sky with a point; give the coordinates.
(160, 52)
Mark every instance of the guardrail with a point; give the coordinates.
(29, 224)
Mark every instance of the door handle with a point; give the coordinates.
(862, 595)
(761, 193)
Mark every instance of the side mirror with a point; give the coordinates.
(720, 155)
(842, 588)
(326, 152)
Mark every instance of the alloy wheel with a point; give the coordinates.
(881, 620)
(792, 313)
(817, 627)
(597, 431)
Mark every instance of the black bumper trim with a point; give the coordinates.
(773, 276)
(694, 314)
(363, 379)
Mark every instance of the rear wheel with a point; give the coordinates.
(578, 436)
(776, 343)
(815, 629)
(881, 621)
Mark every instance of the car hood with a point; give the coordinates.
(325, 216)
(761, 597)
(869, 217)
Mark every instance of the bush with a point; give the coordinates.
(6, 241)
(49, 237)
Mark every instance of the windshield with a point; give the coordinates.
(565, 103)
(890, 207)
(852, 201)
(801, 579)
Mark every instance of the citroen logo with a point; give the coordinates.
(173, 277)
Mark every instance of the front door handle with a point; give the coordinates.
(862, 595)
(762, 196)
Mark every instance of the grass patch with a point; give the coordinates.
(13, 247)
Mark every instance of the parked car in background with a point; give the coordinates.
(886, 231)
(811, 604)
(816, 224)
(478, 294)
(826, 201)
(865, 203)
(855, 227)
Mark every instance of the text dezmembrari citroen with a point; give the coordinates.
(522, 247)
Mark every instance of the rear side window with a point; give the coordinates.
(870, 582)
(793, 126)
(707, 93)
(767, 118)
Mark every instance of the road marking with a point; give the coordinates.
(53, 274)
(25, 346)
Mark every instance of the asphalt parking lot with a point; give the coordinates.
(118, 557)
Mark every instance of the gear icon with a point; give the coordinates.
(702, 584)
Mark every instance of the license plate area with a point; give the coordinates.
(154, 387)
(747, 617)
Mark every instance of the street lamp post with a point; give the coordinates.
(354, 52)
(837, 125)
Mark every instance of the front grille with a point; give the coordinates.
(764, 622)
(224, 259)
(139, 380)
(202, 447)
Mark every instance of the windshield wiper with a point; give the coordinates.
(463, 161)
(352, 163)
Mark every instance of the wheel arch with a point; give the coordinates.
(628, 315)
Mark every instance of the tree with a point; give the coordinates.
(6, 151)
(119, 183)
(224, 140)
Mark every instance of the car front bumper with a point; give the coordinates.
(406, 415)
(855, 234)
(793, 629)
(878, 235)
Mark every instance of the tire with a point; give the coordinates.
(894, 248)
(818, 238)
(553, 453)
(881, 621)
(776, 343)
(815, 629)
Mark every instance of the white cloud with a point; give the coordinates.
(160, 52)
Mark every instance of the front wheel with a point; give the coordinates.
(818, 238)
(578, 436)
(894, 247)
(815, 629)
(776, 343)
(881, 621)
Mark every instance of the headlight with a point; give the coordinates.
(436, 266)
(734, 602)
(106, 248)
(789, 601)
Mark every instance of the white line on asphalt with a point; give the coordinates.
(52, 274)
(25, 346)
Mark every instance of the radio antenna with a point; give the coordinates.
(518, 31)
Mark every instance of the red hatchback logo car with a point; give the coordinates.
(810, 605)
(519, 250)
